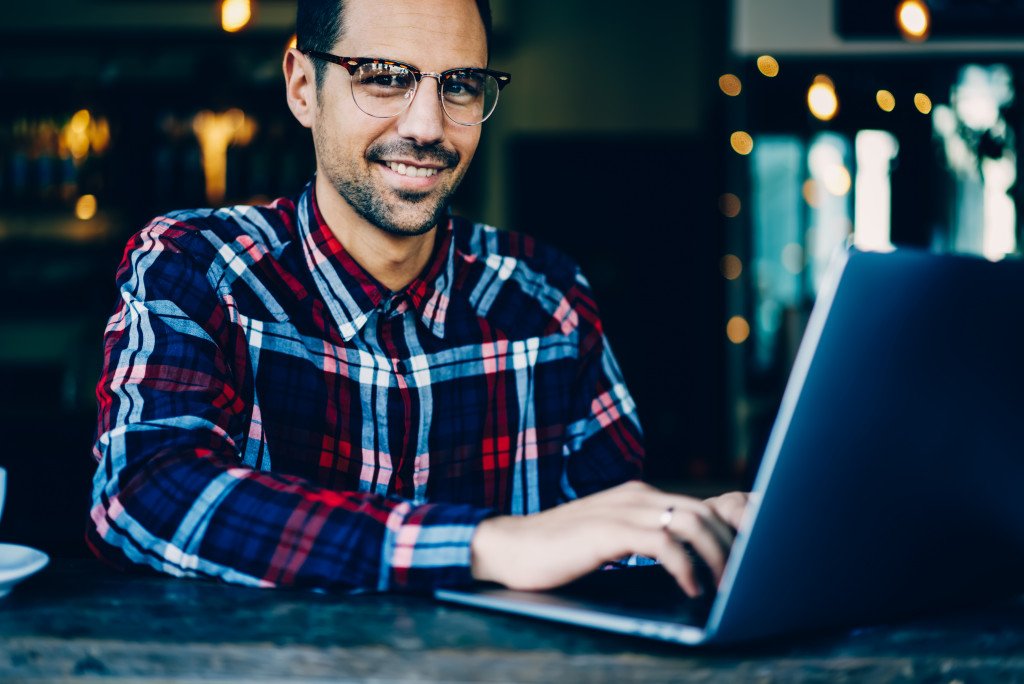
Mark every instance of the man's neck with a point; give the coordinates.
(393, 260)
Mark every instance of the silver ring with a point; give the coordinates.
(666, 517)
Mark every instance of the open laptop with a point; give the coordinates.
(893, 480)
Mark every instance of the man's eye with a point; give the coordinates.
(463, 87)
(386, 79)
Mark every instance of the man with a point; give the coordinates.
(353, 389)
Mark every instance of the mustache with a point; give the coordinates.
(436, 153)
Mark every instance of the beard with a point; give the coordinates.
(396, 212)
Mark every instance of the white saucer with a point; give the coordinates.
(17, 563)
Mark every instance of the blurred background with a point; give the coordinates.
(700, 158)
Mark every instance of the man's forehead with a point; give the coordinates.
(421, 32)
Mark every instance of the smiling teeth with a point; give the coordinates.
(411, 171)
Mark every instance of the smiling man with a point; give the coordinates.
(351, 388)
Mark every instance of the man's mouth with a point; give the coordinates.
(410, 170)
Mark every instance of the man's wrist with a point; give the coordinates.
(483, 547)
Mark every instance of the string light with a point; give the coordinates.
(85, 207)
(886, 100)
(822, 99)
(737, 330)
(731, 266)
(741, 142)
(729, 204)
(730, 84)
(235, 15)
(913, 20)
(768, 66)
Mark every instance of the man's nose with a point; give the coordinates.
(423, 120)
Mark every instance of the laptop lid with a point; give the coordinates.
(889, 482)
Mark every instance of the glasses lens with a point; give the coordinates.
(469, 96)
(382, 90)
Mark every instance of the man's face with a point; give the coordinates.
(359, 154)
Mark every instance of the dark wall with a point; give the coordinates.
(639, 215)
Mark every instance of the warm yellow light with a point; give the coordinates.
(768, 66)
(913, 19)
(732, 267)
(886, 100)
(235, 14)
(810, 192)
(80, 121)
(741, 142)
(215, 133)
(737, 330)
(99, 135)
(730, 84)
(822, 99)
(836, 179)
(923, 103)
(294, 42)
(729, 205)
(85, 207)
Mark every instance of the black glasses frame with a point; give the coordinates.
(350, 64)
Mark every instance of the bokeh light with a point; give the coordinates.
(737, 330)
(85, 207)
(741, 142)
(235, 15)
(822, 99)
(913, 20)
(923, 103)
(729, 204)
(810, 192)
(886, 100)
(730, 84)
(837, 180)
(732, 267)
(793, 258)
(768, 66)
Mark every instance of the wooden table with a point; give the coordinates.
(78, 619)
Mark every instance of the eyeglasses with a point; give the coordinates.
(384, 88)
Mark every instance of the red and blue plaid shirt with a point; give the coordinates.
(270, 414)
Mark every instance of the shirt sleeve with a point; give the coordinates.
(171, 491)
(604, 442)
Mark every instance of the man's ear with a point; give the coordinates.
(300, 86)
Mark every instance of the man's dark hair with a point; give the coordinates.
(319, 24)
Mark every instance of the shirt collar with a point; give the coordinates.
(352, 295)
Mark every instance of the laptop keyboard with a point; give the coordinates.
(644, 592)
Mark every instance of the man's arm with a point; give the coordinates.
(603, 449)
(171, 491)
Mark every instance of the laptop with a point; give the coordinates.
(892, 483)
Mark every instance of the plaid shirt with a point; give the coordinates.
(270, 414)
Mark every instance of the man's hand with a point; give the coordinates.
(561, 544)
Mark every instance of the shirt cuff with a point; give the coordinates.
(428, 547)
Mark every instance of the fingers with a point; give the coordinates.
(708, 536)
(672, 557)
(730, 507)
(691, 521)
